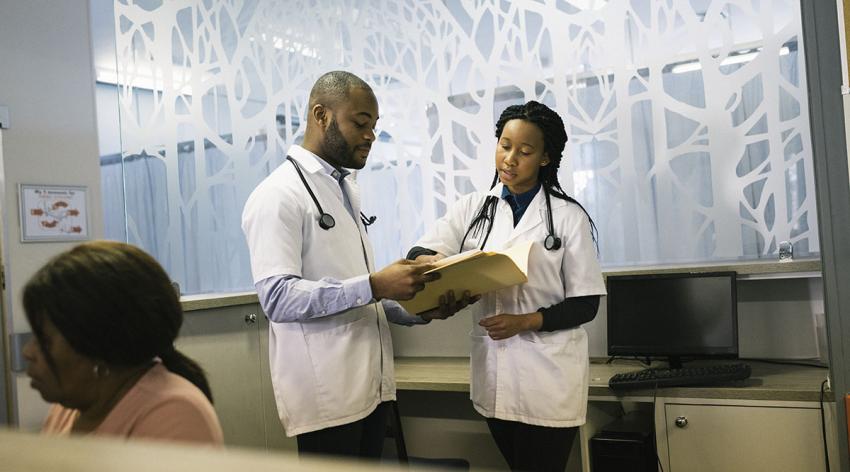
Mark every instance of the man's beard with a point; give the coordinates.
(337, 150)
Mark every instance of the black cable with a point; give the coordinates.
(658, 459)
(654, 396)
(823, 427)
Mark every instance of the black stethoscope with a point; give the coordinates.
(488, 213)
(326, 221)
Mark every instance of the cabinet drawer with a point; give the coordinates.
(728, 438)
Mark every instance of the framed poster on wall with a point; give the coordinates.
(53, 212)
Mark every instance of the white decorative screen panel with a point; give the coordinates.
(689, 134)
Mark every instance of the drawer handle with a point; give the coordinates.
(681, 421)
(250, 319)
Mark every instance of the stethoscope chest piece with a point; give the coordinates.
(552, 243)
(326, 221)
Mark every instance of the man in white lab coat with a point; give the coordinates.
(312, 264)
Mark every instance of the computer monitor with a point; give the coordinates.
(673, 316)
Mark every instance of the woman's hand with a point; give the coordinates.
(449, 306)
(429, 259)
(505, 326)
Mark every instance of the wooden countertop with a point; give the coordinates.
(769, 381)
(744, 268)
(445, 374)
(206, 301)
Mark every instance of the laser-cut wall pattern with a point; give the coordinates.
(688, 123)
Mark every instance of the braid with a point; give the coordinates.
(484, 218)
(554, 141)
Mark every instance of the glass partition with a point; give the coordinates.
(689, 134)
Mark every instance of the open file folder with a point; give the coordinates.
(476, 271)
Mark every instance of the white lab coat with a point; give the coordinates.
(335, 369)
(538, 378)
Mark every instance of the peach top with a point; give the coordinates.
(160, 406)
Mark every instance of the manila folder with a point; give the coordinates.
(474, 271)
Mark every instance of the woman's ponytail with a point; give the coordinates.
(180, 364)
(112, 302)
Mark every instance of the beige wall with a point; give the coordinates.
(47, 81)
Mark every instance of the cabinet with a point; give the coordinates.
(711, 435)
(231, 344)
(770, 423)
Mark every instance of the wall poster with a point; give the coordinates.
(53, 212)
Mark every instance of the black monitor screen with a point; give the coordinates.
(673, 315)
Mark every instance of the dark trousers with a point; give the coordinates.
(532, 448)
(363, 438)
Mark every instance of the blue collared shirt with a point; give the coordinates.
(287, 298)
(519, 203)
(339, 175)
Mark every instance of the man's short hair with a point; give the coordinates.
(334, 87)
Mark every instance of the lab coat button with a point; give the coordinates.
(359, 300)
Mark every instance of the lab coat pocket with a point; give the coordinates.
(552, 378)
(482, 389)
(344, 359)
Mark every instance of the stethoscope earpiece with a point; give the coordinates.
(367, 220)
(326, 221)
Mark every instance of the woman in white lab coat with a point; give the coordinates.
(529, 358)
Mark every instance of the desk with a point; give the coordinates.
(771, 418)
(777, 382)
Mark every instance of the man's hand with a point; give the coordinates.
(449, 306)
(401, 280)
(505, 326)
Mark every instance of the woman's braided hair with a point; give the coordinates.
(554, 141)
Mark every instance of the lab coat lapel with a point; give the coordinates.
(533, 217)
(310, 163)
(353, 192)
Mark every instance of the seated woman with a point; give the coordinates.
(105, 318)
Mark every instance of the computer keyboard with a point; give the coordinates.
(681, 377)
